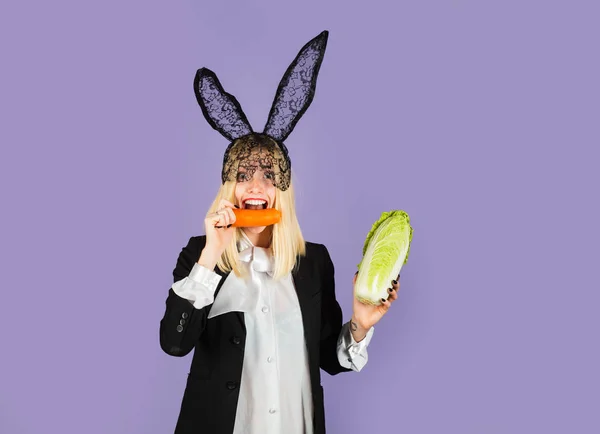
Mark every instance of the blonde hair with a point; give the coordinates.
(287, 242)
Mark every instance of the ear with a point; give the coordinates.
(296, 89)
(222, 111)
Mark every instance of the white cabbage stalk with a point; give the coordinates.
(385, 251)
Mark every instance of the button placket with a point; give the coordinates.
(267, 319)
(273, 347)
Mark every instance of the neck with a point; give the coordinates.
(261, 239)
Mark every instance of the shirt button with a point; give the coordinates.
(179, 328)
(265, 309)
(272, 410)
(236, 340)
(184, 315)
(269, 359)
(230, 385)
(182, 321)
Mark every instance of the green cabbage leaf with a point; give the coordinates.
(385, 251)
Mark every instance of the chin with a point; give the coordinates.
(256, 230)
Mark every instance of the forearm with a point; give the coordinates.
(208, 258)
(188, 300)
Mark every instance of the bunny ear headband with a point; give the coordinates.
(250, 151)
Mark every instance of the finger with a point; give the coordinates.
(231, 215)
(217, 220)
(225, 215)
(395, 284)
(393, 294)
(224, 203)
(214, 218)
(385, 304)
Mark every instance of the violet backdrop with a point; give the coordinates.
(480, 119)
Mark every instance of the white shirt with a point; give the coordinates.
(275, 389)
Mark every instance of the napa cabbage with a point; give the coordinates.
(385, 251)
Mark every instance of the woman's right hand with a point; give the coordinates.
(218, 233)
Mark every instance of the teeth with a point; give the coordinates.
(255, 202)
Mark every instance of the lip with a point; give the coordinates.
(255, 198)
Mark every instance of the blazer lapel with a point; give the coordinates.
(304, 284)
(301, 279)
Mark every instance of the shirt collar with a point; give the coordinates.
(237, 295)
(260, 259)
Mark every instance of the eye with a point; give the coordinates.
(241, 177)
(270, 176)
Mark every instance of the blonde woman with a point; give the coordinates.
(257, 305)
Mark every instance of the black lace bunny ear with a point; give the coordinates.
(222, 111)
(296, 89)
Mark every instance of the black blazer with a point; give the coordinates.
(211, 394)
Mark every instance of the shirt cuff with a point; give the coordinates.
(351, 354)
(199, 287)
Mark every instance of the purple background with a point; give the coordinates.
(480, 119)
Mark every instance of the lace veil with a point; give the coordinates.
(248, 150)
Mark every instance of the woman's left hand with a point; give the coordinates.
(366, 316)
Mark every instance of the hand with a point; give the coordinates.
(218, 233)
(366, 316)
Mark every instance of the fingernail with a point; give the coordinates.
(384, 300)
(228, 226)
(236, 206)
(390, 290)
(394, 282)
(356, 273)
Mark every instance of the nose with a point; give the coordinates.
(256, 183)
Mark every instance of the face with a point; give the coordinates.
(254, 190)
(254, 152)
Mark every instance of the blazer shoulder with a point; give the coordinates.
(200, 239)
(314, 247)
(194, 246)
(197, 241)
(316, 251)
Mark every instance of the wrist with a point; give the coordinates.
(208, 259)
(359, 332)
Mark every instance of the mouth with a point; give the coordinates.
(254, 203)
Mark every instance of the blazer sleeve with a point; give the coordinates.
(182, 323)
(331, 320)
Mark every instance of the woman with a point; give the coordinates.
(257, 304)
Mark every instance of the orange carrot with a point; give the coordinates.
(256, 217)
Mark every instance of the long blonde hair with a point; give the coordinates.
(287, 242)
